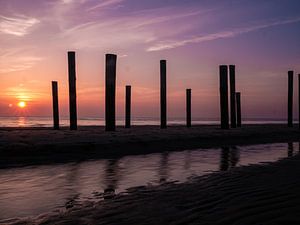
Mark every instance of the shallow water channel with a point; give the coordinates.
(29, 191)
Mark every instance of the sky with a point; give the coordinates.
(260, 37)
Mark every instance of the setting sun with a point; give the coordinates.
(22, 104)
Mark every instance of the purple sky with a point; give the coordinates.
(260, 37)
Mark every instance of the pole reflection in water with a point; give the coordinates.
(234, 156)
(71, 180)
(290, 149)
(187, 160)
(34, 190)
(224, 162)
(163, 167)
(112, 176)
(230, 157)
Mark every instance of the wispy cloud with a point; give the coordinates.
(160, 19)
(16, 60)
(219, 35)
(105, 3)
(139, 28)
(18, 26)
(67, 1)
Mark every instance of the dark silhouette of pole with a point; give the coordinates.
(290, 98)
(232, 96)
(238, 109)
(72, 91)
(55, 105)
(224, 97)
(110, 92)
(188, 108)
(128, 107)
(163, 94)
(299, 100)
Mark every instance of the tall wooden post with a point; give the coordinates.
(290, 98)
(188, 108)
(72, 91)
(163, 94)
(55, 105)
(238, 109)
(224, 97)
(110, 92)
(232, 96)
(299, 100)
(128, 107)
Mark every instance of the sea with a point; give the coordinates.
(35, 121)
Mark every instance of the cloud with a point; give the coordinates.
(105, 3)
(16, 60)
(137, 28)
(160, 19)
(67, 1)
(18, 26)
(219, 35)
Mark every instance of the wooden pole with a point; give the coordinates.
(232, 96)
(188, 108)
(163, 94)
(224, 97)
(128, 107)
(110, 92)
(290, 98)
(55, 105)
(238, 109)
(72, 91)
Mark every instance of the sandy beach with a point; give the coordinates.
(258, 194)
(23, 146)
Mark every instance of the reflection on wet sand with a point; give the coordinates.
(187, 160)
(163, 168)
(229, 158)
(59, 186)
(290, 149)
(72, 180)
(112, 176)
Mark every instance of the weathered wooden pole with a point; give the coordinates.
(72, 91)
(224, 97)
(188, 108)
(163, 94)
(55, 105)
(238, 109)
(110, 92)
(290, 98)
(128, 107)
(299, 100)
(232, 96)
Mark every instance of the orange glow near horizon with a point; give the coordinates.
(193, 38)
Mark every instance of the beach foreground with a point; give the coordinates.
(258, 194)
(23, 146)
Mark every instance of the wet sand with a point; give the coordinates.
(24, 146)
(259, 194)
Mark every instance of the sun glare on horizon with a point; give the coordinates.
(22, 104)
